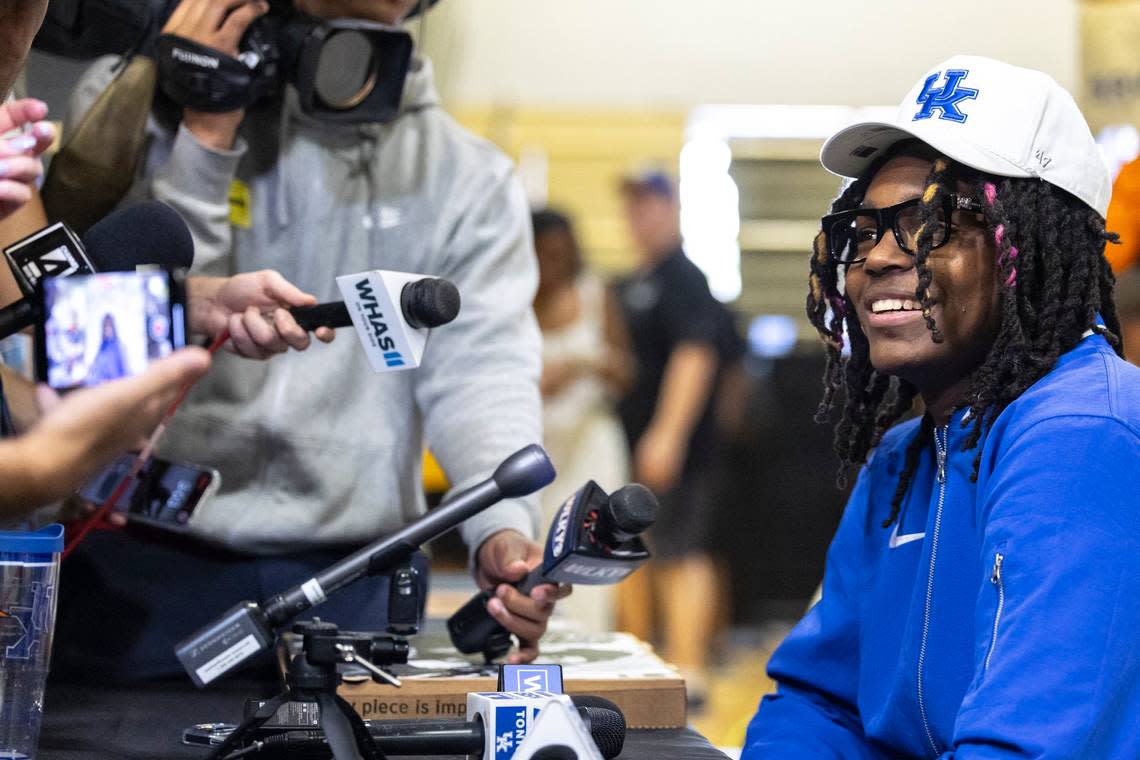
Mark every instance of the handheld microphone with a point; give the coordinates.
(143, 234)
(517, 723)
(593, 540)
(428, 302)
(148, 233)
(392, 313)
(247, 628)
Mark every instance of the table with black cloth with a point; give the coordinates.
(87, 721)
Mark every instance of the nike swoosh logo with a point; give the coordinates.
(896, 540)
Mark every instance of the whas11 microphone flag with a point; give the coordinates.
(373, 303)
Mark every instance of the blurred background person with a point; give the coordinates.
(586, 366)
(677, 333)
(1124, 218)
(1128, 309)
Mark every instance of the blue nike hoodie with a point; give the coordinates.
(995, 620)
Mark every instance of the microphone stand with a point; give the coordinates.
(312, 675)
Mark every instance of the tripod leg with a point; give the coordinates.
(338, 729)
(249, 726)
(364, 740)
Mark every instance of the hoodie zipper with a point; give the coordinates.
(995, 578)
(941, 443)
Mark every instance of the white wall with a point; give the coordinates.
(677, 53)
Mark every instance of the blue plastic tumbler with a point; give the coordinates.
(29, 575)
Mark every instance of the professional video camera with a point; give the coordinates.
(345, 70)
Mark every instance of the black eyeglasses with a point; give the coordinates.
(852, 234)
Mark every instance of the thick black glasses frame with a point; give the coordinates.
(888, 218)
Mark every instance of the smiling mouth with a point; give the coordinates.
(888, 305)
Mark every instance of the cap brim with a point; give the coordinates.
(852, 150)
(640, 188)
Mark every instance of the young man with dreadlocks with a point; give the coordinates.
(980, 597)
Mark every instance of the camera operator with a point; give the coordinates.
(320, 455)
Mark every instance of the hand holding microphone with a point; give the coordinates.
(594, 540)
(394, 312)
(257, 310)
(503, 561)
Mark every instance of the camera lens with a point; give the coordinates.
(346, 70)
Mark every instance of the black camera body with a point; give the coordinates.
(344, 70)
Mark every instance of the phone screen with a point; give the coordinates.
(163, 491)
(105, 326)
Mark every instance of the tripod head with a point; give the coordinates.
(324, 646)
(311, 680)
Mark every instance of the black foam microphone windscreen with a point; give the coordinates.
(148, 233)
(429, 302)
(607, 722)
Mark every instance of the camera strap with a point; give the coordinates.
(204, 79)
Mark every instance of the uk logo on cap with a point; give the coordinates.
(999, 119)
(945, 99)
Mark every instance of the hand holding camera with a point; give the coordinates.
(215, 59)
(218, 24)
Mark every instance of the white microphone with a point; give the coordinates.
(559, 733)
(391, 311)
(520, 724)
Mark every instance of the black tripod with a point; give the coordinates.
(313, 678)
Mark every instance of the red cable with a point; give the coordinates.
(86, 524)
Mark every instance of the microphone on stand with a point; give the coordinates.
(247, 628)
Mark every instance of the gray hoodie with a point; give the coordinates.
(315, 449)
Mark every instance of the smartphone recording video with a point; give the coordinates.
(102, 327)
(164, 494)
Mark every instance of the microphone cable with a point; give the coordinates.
(85, 525)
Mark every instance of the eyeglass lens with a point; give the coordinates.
(852, 235)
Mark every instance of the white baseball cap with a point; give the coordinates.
(991, 116)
